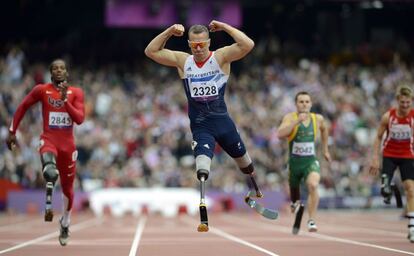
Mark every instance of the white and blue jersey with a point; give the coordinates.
(204, 87)
(209, 120)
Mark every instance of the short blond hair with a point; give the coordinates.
(404, 90)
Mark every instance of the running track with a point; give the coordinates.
(349, 233)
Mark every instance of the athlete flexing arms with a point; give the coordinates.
(62, 105)
(205, 74)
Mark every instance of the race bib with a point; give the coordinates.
(400, 132)
(205, 90)
(59, 120)
(303, 148)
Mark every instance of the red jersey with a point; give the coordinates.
(399, 141)
(58, 116)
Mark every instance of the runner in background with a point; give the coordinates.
(301, 129)
(398, 151)
(62, 106)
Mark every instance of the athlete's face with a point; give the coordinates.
(404, 103)
(199, 44)
(58, 71)
(303, 103)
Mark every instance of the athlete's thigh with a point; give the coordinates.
(389, 164)
(203, 143)
(407, 169)
(66, 164)
(295, 177)
(46, 145)
(229, 139)
(314, 167)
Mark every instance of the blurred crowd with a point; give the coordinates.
(136, 132)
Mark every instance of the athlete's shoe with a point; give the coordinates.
(64, 234)
(312, 226)
(411, 234)
(294, 207)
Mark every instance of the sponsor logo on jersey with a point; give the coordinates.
(57, 103)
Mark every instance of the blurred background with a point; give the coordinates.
(350, 55)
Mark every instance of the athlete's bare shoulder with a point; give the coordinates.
(288, 118)
(319, 117)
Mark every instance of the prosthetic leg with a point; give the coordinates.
(50, 174)
(298, 217)
(265, 212)
(386, 188)
(202, 175)
(297, 208)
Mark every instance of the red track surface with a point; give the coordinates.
(349, 233)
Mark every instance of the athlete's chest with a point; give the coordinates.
(51, 99)
(305, 132)
(400, 128)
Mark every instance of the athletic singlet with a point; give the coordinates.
(302, 144)
(204, 87)
(399, 140)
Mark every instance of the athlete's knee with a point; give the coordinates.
(248, 169)
(245, 164)
(50, 172)
(203, 163)
(312, 187)
(409, 189)
(202, 173)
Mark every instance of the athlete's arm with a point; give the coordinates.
(288, 124)
(76, 110)
(30, 99)
(155, 49)
(324, 137)
(376, 148)
(242, 46)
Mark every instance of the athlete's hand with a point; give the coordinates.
(216, 26)
(11, 141)
(176, 30)
(327, 156)
(374, 166)
(302, 117)
(63, 87)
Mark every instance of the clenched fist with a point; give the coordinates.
(177, 30)
(63, 87)
(11, 141)
(216, 26)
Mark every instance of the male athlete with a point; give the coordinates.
(62, 105)
(398, 150)
(205, 74)
(301, 128)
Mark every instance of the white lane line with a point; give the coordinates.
(286, 230)
(228, 236)
(138, 233)
(241, 241)
(348, 241)
(79, 226)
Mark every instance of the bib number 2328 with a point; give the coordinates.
(202, 90)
